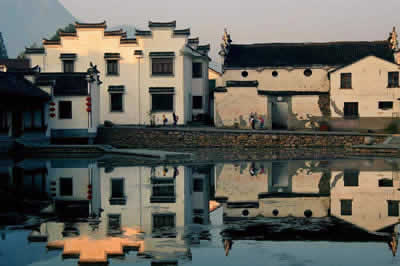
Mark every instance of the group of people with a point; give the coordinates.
(254, 118)
(174, 117)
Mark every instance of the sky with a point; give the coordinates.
(252, 21)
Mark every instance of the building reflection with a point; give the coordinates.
(95, 212)
(334, 200)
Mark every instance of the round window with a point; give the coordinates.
(245, 74)
(245, 212)
(308, 213)
(307, 72)
(274, 74)
(275, 212)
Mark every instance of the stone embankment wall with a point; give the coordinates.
(135, 137)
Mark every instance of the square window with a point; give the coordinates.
(114, 224)
(68, 66)
(393, 79)
(385, 182)
(162, 66)
(163, 221)
(66, 186)
(345, 81)
(112, 67)
(393, 208)
(162, 102)
(197, 102)
(116, 100)
(212, 83)
(385, 105)
(351, 178)
(117, 188)
(198, 185)
(65, 109)
(346, 207)
(350, 110)
(197, 69)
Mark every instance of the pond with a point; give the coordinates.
(78, 211)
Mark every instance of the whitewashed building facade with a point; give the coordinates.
(144, 79)
(304, 85)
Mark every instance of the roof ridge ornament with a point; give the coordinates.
(393, 39)
(226, 44)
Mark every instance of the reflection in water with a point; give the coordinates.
(94, 212)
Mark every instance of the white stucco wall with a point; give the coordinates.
(235, 106)
(134, 72)
(369, 86)
(287, 79)
(369, 201)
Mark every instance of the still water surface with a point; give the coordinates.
(299, 212)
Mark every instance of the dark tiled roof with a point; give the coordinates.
(66, 84)
(119, 32)
(142, 32)
(167, 54)
(138, 52)
(14, 87)
(116, 88)
(34, 50)
(63, 33)
(171, 24)
(204, 48)
(182, 32)
(128, 41)
(68, 56)
(161, 89)
(51, 42)
(284, 93)
(15, 64)
(91, 25)
(220, 89)
(304, 54)
(194, 40)
(241, 83)
(112, 56)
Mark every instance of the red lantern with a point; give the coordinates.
(88, 98)
(88, 104)
(88, 109)
(89, 197)
(52, 104)
(52, 109)
(52, 115)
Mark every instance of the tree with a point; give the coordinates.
(70, 28)
(3, 50)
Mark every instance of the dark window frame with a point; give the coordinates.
(112, 67)
(162, 66)
(198, 185)
(114, 94)
(122, 195)
(197, 70)
(385, 105)
(159, 107)
(351, 178)
(350, 110)
(157, 224)
(195, 103)
(346, 210)
(393, 79)
(60, 110)
(62, 183)
(346, 80)
(393, 208)
(68, 66)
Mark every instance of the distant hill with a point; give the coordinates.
(130, 30)
(24, 22)
(3, 50)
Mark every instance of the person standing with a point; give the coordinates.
(175, 117)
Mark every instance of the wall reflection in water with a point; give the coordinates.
(93, 211)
